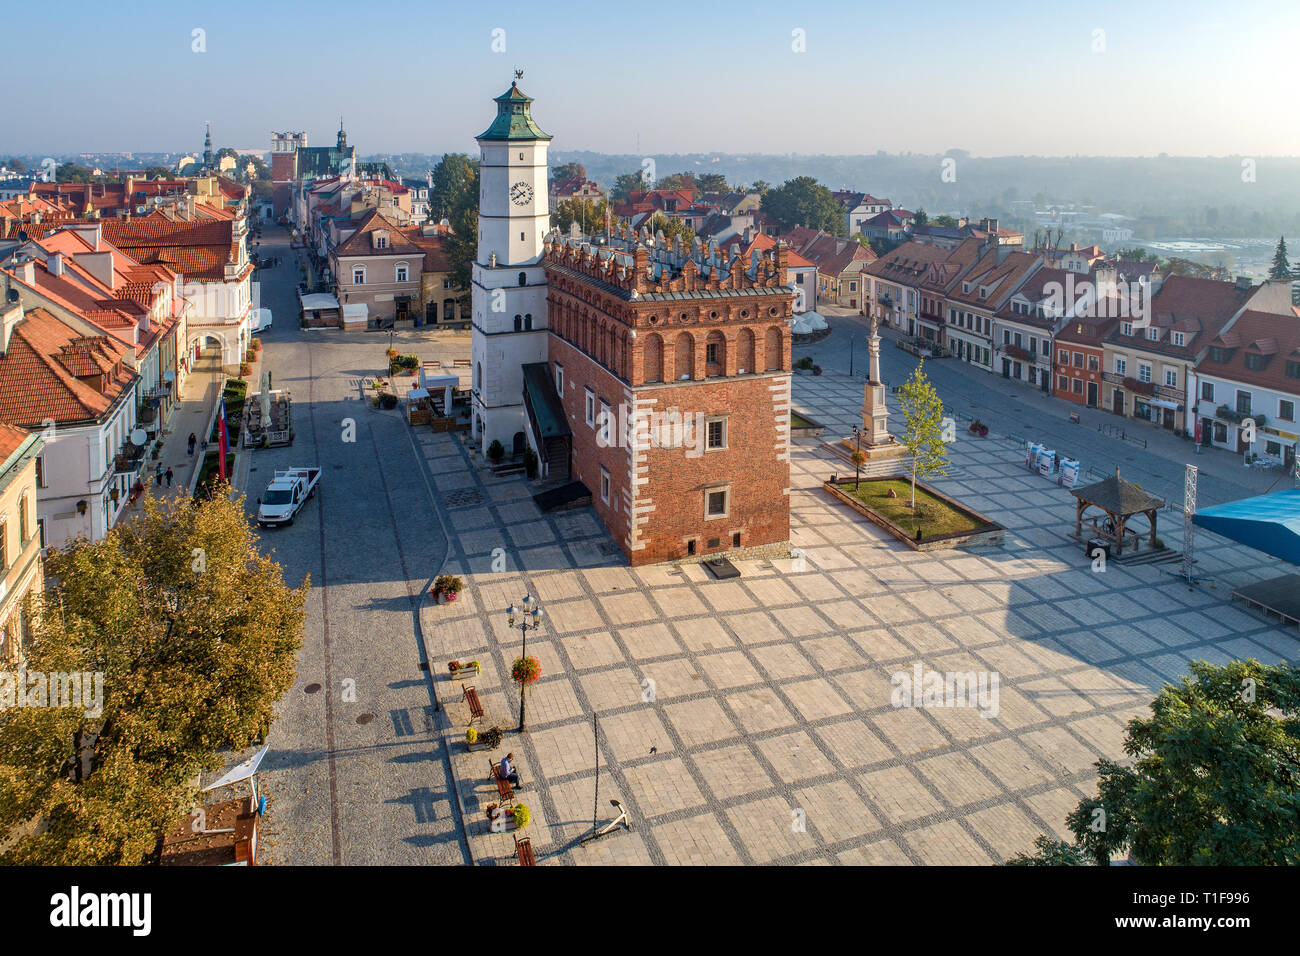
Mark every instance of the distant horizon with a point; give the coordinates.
(1016, 78)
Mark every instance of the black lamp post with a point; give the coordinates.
(528, 620)
(857, 457)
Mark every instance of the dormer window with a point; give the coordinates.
(1126, 328)
(1255, 362)
(380, 239)
(1153, 334)
(1178, 338)
(1219, 355)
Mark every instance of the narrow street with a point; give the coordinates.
(356, 773)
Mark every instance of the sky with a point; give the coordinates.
(1006, 77)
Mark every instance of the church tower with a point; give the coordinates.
(207, 149)
(508, 288)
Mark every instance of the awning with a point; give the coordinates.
(1161, 403)
(319, 301)
(1267, 523)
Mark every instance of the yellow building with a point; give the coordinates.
(20, 537)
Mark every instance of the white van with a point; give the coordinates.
(261, 320)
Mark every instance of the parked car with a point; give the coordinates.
(289, 490)
(261, 320)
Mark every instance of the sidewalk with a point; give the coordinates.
(198, 399)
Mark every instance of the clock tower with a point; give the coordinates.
(508, 288)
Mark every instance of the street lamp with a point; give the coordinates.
(529, 618)
(857, 457)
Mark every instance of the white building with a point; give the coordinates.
(508, 283)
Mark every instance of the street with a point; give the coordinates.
(356, 774)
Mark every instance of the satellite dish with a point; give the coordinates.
(13, 295)
(139, 436)
(169, 376)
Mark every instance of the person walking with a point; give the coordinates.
(169, 477)
(158, 474)
(193, 439)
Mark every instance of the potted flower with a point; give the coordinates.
(453, 667)
(447, 586)
(525, 670)
(491, 738)
(816, 369)
(471, 738)
(522, 815)
(495, 452)
(491, 810)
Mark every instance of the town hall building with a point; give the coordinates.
(656, 374)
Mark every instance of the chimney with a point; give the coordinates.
(54, 263)
(28, 272)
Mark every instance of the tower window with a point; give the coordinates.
(519, 323)
(523, 276)
(528, 322)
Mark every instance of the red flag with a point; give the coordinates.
(223, 439)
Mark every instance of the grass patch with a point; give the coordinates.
(936, 516)
(798, 421)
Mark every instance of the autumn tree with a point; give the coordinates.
(923, 435)
(195, 634)
(1213, 777)
(671, 227)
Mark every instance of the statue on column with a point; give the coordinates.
(875, 415)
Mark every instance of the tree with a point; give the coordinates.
(920, 218)
(627, 183)
(195, 635)
(454, 196)
(1281, 268)
(1052, 853)
(1136, 254)
(16, 164)
(803, 201)
(1197, 270)
(761, 186)
(923, 436)
(158, 172)
(72, 173)
(590, 215)
(711, 183)
(568, 171)
(1215, 777)
(672, 228)
(947, 222)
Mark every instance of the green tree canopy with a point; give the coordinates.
(568, 171)
(1214, 778)
(804, 202)
(590, 215)
(454, 196)
(672, 228)
(947, 222)
(627, 183)
(711, 182)
(72, 173)
(195, 634)
(920, 218)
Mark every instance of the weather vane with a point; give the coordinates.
(519, 74)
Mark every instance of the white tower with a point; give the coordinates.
(508, 283)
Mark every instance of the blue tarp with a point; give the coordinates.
(1268, 523)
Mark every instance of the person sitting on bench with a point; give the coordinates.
(508, 771)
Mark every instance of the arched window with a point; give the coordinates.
(478, 376)
(528, 322)
(744, 352)
(772, 357)
(715, 354)
(523, 278)
(652, 359)
(519, 323)
(684, 354)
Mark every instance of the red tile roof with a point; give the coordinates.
(51, 370)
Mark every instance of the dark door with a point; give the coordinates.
(1117, 402)
(1006, 368)
(519, 443)
(1169, 418)
(1092, 394)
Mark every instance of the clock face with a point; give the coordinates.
(521, 193)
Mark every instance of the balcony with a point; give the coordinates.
(1139, 388)
(129, 460)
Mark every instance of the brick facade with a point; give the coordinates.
(651, 335)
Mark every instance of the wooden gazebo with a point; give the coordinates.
(1118, 500)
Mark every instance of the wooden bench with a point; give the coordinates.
(475, 705)
(524, 851)
(460, 363)
(504, 790)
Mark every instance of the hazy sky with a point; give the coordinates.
(1187, 77)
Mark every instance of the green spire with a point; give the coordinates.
(514, 118)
